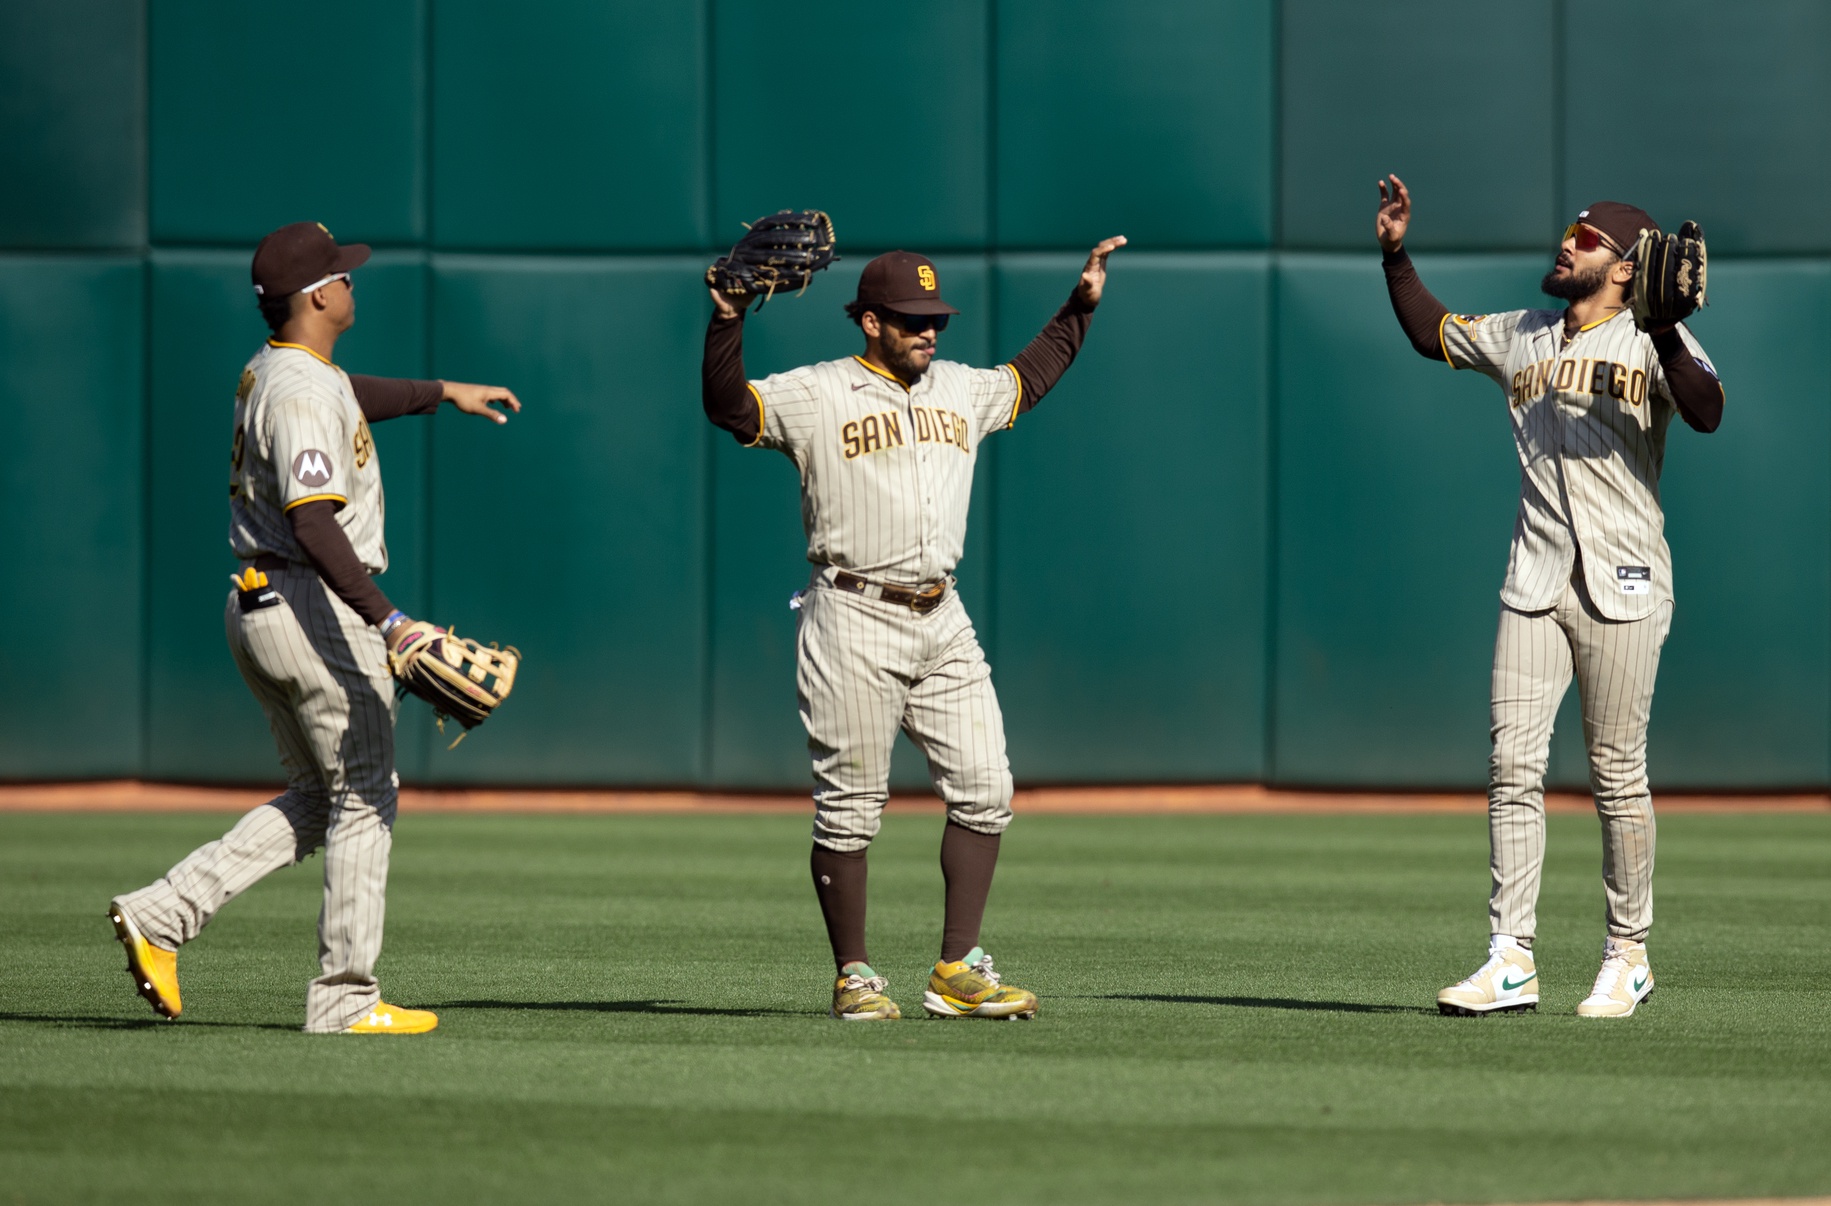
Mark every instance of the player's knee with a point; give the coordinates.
(845, 827)
(982, 804)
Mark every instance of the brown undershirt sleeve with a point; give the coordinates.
(723, 391)
(1420, 314)
(1695, 389)
(383, 398)
(315, 527)
(1040, 365)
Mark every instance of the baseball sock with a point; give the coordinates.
(967, 861)
(839, 881)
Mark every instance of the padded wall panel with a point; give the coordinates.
(895, 114)
(578, 530)
(1131, 546)
(262, 115)
(570, 124)
(72, 350)
(760, 549)
(1154, 121)
(203, 724)
(1397, 483)
(1735, 136)
(1457, 99)
(73, 124)
(1744, 695)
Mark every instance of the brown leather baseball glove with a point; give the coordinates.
(1668, 276)
(777, 254)
(457, 676)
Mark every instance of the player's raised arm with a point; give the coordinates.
(1420, 314)
(1040, 365)
(723, 391)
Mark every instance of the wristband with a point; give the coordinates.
(395, 619)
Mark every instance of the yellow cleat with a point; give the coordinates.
(971, 989)
(392, 1019)
(1507, 983)
(153, 968)
(858, 996)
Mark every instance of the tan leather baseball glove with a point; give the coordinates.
(459, 677)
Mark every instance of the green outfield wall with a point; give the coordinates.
(1251, 537)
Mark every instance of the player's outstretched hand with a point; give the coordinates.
(1395, 214)
(725, 306)
(1093, 277)
(476, 399)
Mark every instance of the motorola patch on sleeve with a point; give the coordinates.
(1634, 579)
(312, 468)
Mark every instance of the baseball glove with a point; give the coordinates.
(457, 676)
(776, 254)
(1668, 275)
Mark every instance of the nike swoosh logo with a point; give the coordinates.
(860, 386)
(1509, 985)
(1641, 982)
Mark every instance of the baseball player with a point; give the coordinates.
(309, 631)
(886, 443)
(1589, 580)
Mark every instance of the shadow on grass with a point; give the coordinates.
(94, 1023)
(674, 1008)
(1264, 1003)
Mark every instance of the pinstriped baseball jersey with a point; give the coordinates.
(886, 470)
(300, 436)
(1589, 419)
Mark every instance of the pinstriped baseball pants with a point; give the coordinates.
(865, 668)
(321, 675)
(1615, 663)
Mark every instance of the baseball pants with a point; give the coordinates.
(321, 675)
(866, 668)
(1615, 663)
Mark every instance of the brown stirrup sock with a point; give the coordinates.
(839, 881)
(967, 861)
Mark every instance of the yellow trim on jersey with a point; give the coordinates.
(300, 502)
(1442, 342)
(758, 395)
(298, 347)
(1600, 321)
(890, 377)
(1012, 421)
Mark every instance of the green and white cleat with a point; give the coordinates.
(1626, 979)
(1507, 982)
(971, 989)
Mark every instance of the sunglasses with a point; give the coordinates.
(916, 324)
(331, 279)
(1588, 237)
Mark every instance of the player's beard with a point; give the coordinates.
(904, 362)
(1576, 286)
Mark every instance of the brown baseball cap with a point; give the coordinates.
(299, 256)
(905, 282)
(1620, 222)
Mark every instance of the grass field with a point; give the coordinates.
(1234, 1009)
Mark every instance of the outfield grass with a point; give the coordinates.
(1234, 1009)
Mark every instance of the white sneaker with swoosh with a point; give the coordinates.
(1626, 979)
(1508, 981)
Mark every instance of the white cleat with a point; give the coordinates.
(1626, 979)
(1508, 981)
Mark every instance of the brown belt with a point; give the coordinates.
(270, 563)
(921, 599)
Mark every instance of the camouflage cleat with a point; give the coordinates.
(153, 968)
(392, 1019)
(858, 996)
(971, 989)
